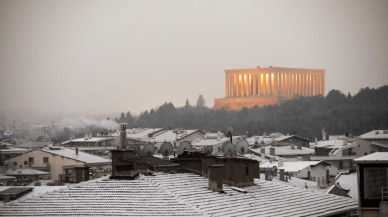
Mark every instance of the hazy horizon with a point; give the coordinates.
(110, 57)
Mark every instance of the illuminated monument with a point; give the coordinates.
(268, 86)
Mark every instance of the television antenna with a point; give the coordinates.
(228, 148)
(184, 146)
(136, 148)
(149, 150)
(242, 147)
(208, 150)
(166, 149)
(228, 132)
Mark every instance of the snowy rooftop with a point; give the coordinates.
(142, 135)
(178, 195)
(329, 144)
(291, 166)
(93, 139)
(171, 136)
(6, 177)
(375, 134)
(26, 172)
(377, 157)
(285, 150)
(348, 182)
(301, 183)
(82, 156)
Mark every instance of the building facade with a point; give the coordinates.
(268, 86)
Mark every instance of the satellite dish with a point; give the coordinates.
(208, 150)
(242, 147)
(149, 150)
(229, 130)
(25, 162)
(14, 163)
(135, 147)
(166, 149)
(184, 146)
(228, 148)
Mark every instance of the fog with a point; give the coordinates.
(114, 56)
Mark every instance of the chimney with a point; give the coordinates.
(281, 174)
(265, 134)
(345, 140)
(76, 150)
(280, 162)
(272, 151)
(299, 146)
(81, 174)
(262, 144)
(215, 174)
(90, 136)
(267, 174)
(262, 150)
(276, 143)
(218, 135)
(292, 146)
(52, 143)
(263, 155)
(316, 139)
(73, 136)
(86, 136)
(123, 136)
(70, 137)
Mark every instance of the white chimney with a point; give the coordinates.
(280, 162)
(316, 139)
(218, 135)
(90, 135)
(86, 136)
(73, 136)
(70, 137)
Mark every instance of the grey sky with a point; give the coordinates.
(104, 56)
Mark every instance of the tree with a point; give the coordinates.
(122, 118)
(201, 101)
(187, 105)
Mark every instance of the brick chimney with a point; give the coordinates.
(215, 174)
(81, 174)
(292, 146)
(280, 162)
(299, 146)
(272, 151)
(281, 174)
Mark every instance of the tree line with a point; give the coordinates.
(338, 113)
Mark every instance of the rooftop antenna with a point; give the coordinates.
(184, 146)
(136, 148)
(208, 150)
(242, 147)
(149, 150)
(227, 148)
(229, 130)
(166, 149)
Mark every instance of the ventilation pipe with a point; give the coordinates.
(215, 174)
(219, 136)
(76, 150)
(123, 135)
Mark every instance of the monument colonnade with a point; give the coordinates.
(264, 82)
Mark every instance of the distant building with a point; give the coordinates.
(60, 162)
(26, 176)
(268, 86)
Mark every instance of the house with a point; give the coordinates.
(60, 162)
(6, 180)
(316, 171)
(90, 144)
(372, 184)
(341, 152)
(9, 152)
(215, 143)
(290, 152)
(282, 139)
(181, 194)
(26, 176)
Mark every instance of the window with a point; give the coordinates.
(45, 160)
(31, 160)
(374, 179)
(380, 150)
(340, 166)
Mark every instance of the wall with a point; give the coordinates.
(6, 182)
(237, 103)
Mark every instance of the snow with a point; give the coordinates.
(348, 182)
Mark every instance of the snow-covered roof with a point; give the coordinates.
(171, 136)
(375, 134)
(14, 150)
(26, 172)
(82, 156)
(285, 150)
(377, 157)
(329, 144)
(93, 139)
(181, 194)
(6, 177)
(293, 166)
(348, 181)
(301, 183)
(141, 135)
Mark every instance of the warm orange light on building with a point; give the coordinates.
(268, 86)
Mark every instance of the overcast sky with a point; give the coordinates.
(113, 56)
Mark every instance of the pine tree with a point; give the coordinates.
(201, 101)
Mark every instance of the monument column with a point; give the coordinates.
(276, 85)
(227, 85)
(288, 84)
(232, 86)
(264, 84)
(308, 85)
(250, 85)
